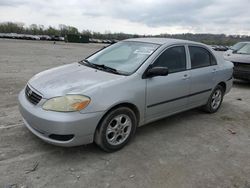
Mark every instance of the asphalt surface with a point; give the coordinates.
(191, 149)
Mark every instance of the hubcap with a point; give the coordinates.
(216, 99)
(118, 129)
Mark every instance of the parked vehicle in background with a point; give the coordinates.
(30, 37)
(240, 57)
(44, 37)
(214, 47)
(219, 48)
(223, 48)
(55, 38)
(104, 98)
(234, 48)
(91, 40)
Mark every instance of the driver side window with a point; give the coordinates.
(173, 58)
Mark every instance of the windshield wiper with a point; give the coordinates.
(100, 67)
(104, 67)
(85, 61)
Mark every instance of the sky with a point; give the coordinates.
(134, 16)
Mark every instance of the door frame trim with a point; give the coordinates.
(178, 98)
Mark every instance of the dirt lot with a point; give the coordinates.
(191, 149)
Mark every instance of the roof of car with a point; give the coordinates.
(161, 41)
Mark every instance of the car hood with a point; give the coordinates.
(240, 58)
(70, 79)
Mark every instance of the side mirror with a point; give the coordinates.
(157, 71)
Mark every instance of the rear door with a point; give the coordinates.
(203, 75)
(168, 94)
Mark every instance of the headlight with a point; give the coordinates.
(68, 103)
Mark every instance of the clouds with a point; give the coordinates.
(154, 14)
(11, 2)
(134, 16)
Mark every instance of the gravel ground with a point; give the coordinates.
(191, 149)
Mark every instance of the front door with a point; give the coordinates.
(168, 94)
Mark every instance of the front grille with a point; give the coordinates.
(32, 96)
(61, 137)
(241, 67)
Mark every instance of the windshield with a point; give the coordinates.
(238, 46)
(244, 50)
(125, 57)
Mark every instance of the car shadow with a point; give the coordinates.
(241, 84)
(162, 125)
(169, 122)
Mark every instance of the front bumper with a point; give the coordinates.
(241, 71)
(47, 124)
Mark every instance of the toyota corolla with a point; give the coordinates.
(105, 97)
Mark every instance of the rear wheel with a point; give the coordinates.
(116, 129)
(215, 100)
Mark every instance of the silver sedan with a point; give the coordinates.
(105, 97)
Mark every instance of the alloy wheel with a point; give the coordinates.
(118, 129)
(216, 99)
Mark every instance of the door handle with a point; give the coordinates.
(185, 77)
(214, 70)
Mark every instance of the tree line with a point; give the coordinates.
(63, 30)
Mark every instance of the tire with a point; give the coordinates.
(215, 100)
(116, 129)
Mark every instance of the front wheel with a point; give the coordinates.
(215, 100)
(116, 129)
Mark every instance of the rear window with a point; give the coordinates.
(200, 57)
